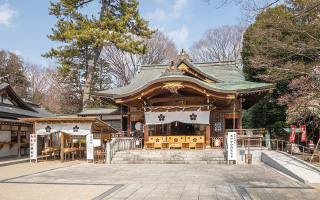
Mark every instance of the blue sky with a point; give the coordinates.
(25, 24)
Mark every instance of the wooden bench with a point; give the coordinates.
(194, 140)
(149, 145)
(158, 140)
(185, 145)
(176, 140)
(199, 145)
(165, 145)
(47, 150)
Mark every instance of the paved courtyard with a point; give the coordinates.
(79, 180)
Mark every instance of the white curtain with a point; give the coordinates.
(46, 128)
(76, 128)
(191, 117)
(69, 128)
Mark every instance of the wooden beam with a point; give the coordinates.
(157, 100)
(176, 107)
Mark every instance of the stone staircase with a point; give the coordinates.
(170, 157)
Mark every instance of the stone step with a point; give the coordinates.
(168, 159)
(168, 162)
(168, 156)
(190, 154)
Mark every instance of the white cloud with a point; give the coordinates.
(17, 52)
(6, 14)
(179, 5)
(175, 11)
(179, 36)
(157, 14)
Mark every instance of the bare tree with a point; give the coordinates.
(219, 44)
(38, 81)
(123, 65)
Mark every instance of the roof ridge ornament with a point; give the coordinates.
(172, 70)
(4, 79)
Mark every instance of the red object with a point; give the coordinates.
(310, 142)
(293, 133)
(303, 133)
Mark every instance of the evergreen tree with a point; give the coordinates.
(282, 45)
(84, 37)
(13, 66)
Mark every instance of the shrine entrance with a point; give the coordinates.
(177, 128)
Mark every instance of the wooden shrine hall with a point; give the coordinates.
(185, 100)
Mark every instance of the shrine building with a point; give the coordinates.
(185, 98)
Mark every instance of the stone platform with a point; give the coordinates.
(176, 156)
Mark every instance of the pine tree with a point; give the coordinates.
(84, 37)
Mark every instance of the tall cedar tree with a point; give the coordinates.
(84, 37)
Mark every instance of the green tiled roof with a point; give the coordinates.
(229, 76)
(101, 111)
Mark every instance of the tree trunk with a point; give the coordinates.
(87, 86)
(93, 62)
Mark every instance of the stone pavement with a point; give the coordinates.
(164, 181)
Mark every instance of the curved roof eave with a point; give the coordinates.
(186, 79)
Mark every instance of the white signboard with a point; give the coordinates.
(33, 147)
(89, 147)
(268, 140)
(232, 146)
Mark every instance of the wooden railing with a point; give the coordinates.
(127, 134)
(217, 142)
(121, 144)
(246, 132)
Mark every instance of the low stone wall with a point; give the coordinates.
(256, 155)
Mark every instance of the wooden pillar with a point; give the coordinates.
(240, 113)
(19, 141)
(128, 123)
(101, 139)
(121, 111)
(234, 114)
(208, 136)
(146, 133)
(50, 139)
(62, 147)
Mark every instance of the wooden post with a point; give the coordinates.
(240, 113)
(62, 147)
(121, 112)
(108, 152)
(208, 136)
(234, 115)
(50, 139)
(101, 139)
(146, 133)
(128, 124)
(19, 141)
